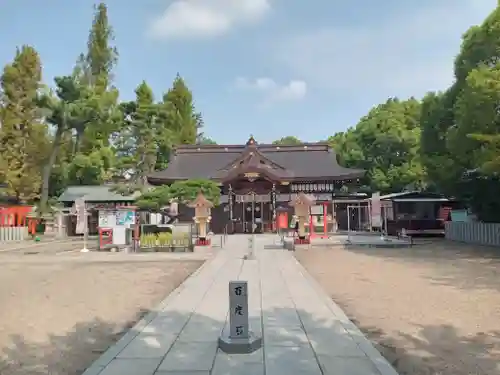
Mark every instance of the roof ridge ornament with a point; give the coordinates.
(251, 141)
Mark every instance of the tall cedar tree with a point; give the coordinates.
(182, 124)
(21, 128)
(94, 69)
(101, 56)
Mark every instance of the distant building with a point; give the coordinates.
(95, 197)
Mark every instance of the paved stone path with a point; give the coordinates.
(304, 331)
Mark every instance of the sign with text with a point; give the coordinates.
(238, 309)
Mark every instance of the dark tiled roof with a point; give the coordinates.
(252, 160)
(306, 161)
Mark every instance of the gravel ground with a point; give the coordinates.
(60, 313)
(432, 309)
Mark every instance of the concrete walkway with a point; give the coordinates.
(304, 331)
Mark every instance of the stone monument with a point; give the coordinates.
(250, 255)
(302, 206)
(202, 207)
(239, 339)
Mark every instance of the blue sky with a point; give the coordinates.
(270, 68)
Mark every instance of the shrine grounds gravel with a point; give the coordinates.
(60, 313)
(432, 309)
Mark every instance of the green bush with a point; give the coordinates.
(148, 240)
(165, 239)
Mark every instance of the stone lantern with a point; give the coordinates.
(202, 207)
(302, 205)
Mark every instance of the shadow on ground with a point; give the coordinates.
(72, 353)
(67, 354)
(426, 352)
(467, 267)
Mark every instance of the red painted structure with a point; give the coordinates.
(14, 216)
(312, 234)
(105, 237)
(17, 216)
(202, 242)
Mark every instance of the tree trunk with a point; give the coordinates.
(78, 140)
(47, 170)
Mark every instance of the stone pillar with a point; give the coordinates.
(273, 203)
(230, 204)
(239, 339)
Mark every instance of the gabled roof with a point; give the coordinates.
(93, 194)
(307, 161)
(252, 161)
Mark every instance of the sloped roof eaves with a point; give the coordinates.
(302, 164)
(419, 194)
(93, 194)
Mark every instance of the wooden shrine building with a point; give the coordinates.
(258, 180)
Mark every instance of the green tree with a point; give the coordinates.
(476, 112)
(348, 151)
(72, 107)
(386, 143)
(182, 124)
(203, 140)
(288, 140)
(92, 169)
(140, 137)
(22, 133)
(480, 46)
(436, 119)
(183, 191)
(94, 69)
(183, 118)
(101, 57)
(459, 142)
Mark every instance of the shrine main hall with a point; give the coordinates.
(258, 181)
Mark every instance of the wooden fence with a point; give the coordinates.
(473, 232)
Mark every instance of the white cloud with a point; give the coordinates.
(407, 54)
(206, 18)
(272, 91)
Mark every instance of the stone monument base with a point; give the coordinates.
(240, 346)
